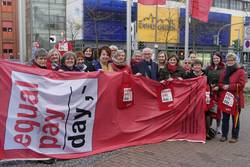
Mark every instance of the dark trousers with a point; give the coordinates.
(225, 126)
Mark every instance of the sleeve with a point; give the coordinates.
(163, 74)
(241, 81)
(221, 77)
(135, 69)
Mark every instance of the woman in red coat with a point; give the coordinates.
(119, 62)
(232, 81)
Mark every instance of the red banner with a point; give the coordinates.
(200, 9)
(70, 114)
(152, 2)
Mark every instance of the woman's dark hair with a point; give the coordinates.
(106, 48)
(175, 56)
(85, 49)
(212, 65)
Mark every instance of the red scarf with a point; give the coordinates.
(171, 68)
(186, 68)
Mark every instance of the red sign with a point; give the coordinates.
(71, 114)
(152, 2)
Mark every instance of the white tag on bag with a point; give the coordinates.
(208, 98)
(228, 99)
(166, 95)
(127, 95)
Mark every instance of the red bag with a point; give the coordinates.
(125, 94)
(227, 102)
(165, 96)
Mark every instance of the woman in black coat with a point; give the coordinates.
(172, 69)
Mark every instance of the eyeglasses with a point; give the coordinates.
(230, 60)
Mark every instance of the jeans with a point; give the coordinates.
(225, 126)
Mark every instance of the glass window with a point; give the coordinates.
(5, 29)
(7, 2)
(217, 3)
(5, 50)
(224, 4)
(239, 5)
(7, 26)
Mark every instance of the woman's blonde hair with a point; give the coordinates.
(52, 51)
(231, 56)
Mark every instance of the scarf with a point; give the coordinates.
(88, 58)
(171, 68)
(37, 65)
(229, 71)
(198, 74)
(187, 68)
(107, 67)
(116, 62)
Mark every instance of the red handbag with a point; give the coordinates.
(227, 102)
(165, 96)
(125, 94)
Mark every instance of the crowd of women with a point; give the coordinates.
(224, 79)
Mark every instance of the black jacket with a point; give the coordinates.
(143, 68)
(166, 74)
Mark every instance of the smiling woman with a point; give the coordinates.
(69, 61)
(40, 58)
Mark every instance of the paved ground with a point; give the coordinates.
(247, 87)
(168, 154)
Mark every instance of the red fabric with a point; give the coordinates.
(186, 68)
(125, 68)
(199, 9)
(237, 78)
(142, 123)
(171, 68)
(152, 2)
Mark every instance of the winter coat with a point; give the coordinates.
(143, 68)
(166, 74)
(238, 78)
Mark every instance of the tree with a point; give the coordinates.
(74, 27)
(170, 27)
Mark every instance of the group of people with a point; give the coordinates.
(223, 78)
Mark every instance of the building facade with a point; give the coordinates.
(45, 23)
(9, 29)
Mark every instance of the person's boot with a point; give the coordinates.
(223, 139)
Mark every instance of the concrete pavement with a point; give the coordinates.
(247, 87)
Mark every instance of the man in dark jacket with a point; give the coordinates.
(147, 67)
